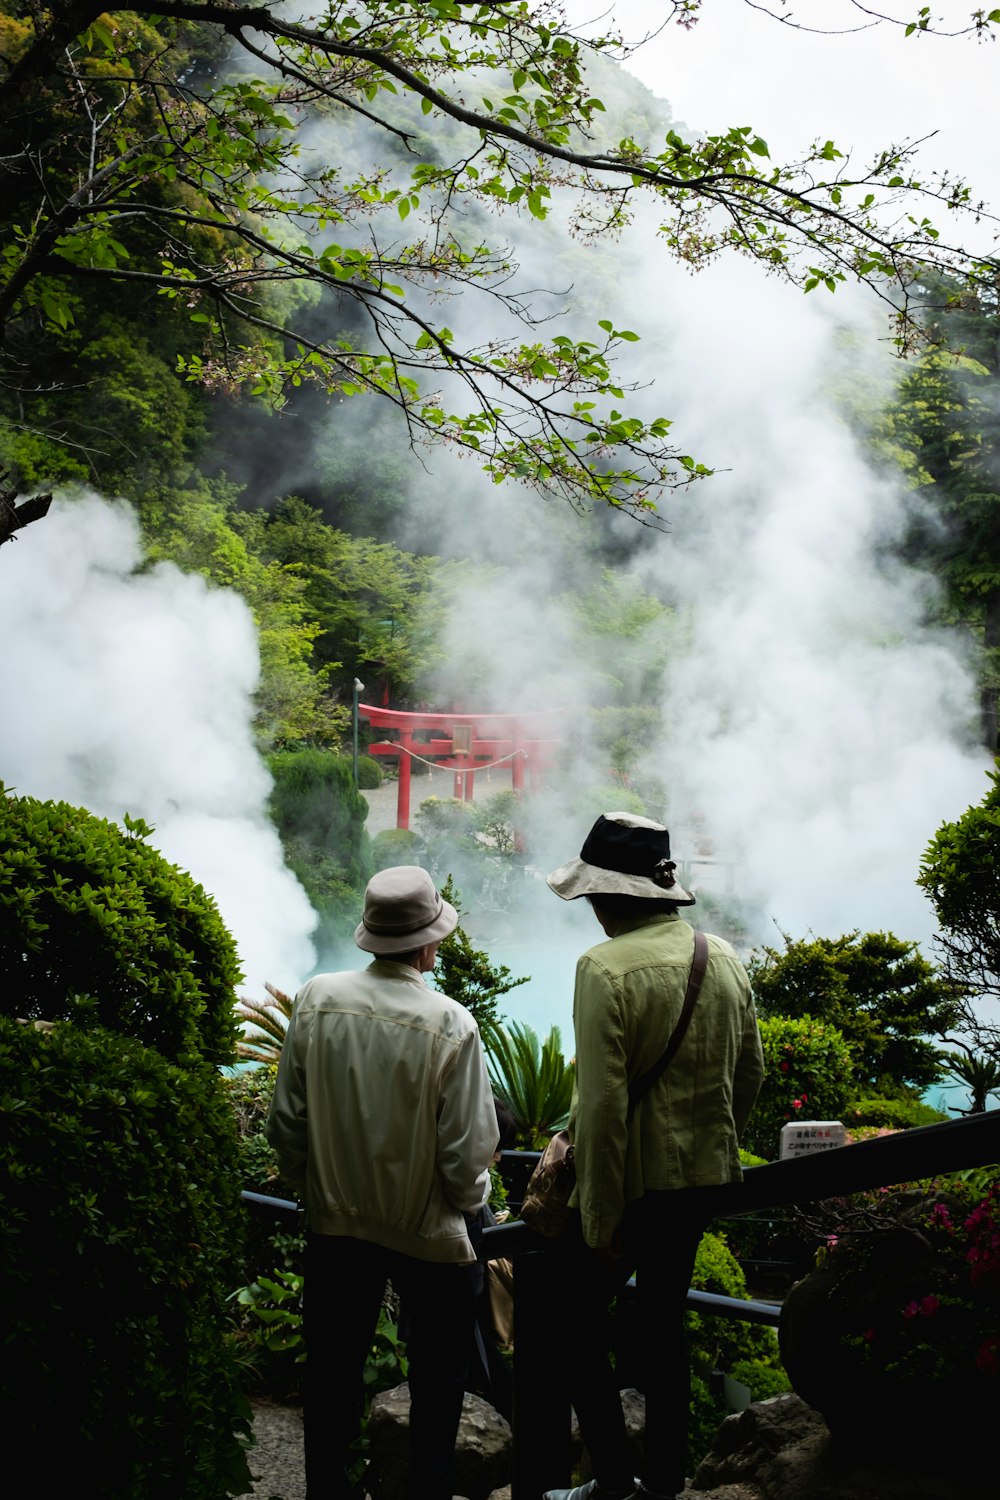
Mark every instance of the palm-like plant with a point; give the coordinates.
(532, 1078)
(271, 1018)
(981, 1076)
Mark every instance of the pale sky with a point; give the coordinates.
(863, 89)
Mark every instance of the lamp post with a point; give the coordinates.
(359, 687)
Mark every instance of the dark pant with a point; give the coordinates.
(659, 1240)
(344, 1286)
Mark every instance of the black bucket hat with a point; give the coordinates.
(624, 855)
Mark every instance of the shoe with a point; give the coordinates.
(590, 1491)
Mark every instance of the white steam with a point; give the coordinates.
(132, 692)
(817, 728)
(820, 727)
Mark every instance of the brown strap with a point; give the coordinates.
(698, 966)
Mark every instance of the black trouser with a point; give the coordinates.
(660, 1235)
(344, 1286)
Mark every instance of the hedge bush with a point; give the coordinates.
(119, 1220)
(320, 817)
(370, 773)
(807, 1076)
(98, 928)
(396, 846)
(897, 1114)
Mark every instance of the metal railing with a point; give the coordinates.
(541, 1456)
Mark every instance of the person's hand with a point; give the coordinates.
(610, 1256)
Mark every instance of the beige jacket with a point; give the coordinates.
(382, 1111)
(685, 1131)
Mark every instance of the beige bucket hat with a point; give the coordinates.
(626, 855)
(403, 910)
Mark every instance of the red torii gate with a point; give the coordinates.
(464, 743)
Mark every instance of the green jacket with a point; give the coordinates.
(684, 1132)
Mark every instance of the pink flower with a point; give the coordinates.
(868, 1335)
(796, 1103)
(940, 1218)
(925, 1308)
(988, 1358)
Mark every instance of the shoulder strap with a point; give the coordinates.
(698, 966)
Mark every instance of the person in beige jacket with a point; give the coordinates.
(642, 1173)
(383, 1117)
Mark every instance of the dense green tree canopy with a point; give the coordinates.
(879, 992)
(293, 188)
(960, 874)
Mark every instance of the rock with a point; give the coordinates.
(782, 1450)
(482, 1452)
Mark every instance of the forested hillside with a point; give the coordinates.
(152, 300)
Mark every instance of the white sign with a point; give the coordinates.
(801, 1137)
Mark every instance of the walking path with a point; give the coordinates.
(426, 783)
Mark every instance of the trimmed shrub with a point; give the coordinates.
(99, 929)
(878, 990)
(370, 773)
(320, 817)
(396, 846)
(897, 1114)
(119, 1214)
(807, 1076)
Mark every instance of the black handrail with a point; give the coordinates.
(541, 1449)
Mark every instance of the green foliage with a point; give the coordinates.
(763, 1380)
(496, 823)
(447, 828)
(902, 1321)
(897, 1114)
(532, 1078)
(200, 529)
(591, 801)
(717, 1343)
(745, 1351)
(249, 1093)
(320, 815)
(370, 773)
(245, 258)
(98, 929)
(466, 974)
(808, 1075)
(276, 1301)
(374, 606)
(395, 846)
(880, 993)
(269, 1020)
(119, 1216)
(960, 873)
(273, 1341)
(981, 1076)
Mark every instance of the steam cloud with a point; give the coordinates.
(816, 728)
(132, 692)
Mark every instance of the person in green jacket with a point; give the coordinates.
(643, 1173)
